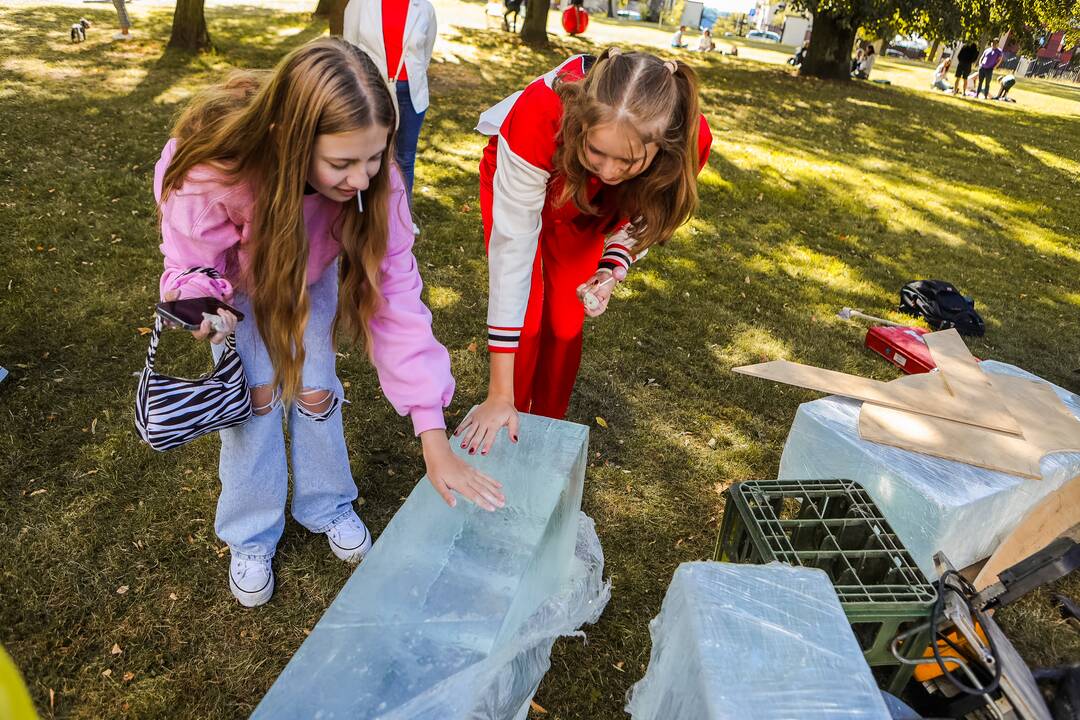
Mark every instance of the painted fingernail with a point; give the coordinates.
(472, 451)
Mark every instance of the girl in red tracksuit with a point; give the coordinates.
(586, 168)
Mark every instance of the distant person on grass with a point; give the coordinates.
(866, 64)
(965, 59)
(989, 61)
(857, 60)
(1005, 85)
(282, 183)
(677, 39)
(125, 22)
(800, 55)
(941, 74)
(594, 163)
(705, 44)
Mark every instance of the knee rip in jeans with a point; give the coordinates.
(317, 405)
(263, 399)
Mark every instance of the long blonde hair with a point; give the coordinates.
(260, 129)
(654, 101)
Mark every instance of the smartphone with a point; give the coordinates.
(188, 314)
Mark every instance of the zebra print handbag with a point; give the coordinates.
(170, 412)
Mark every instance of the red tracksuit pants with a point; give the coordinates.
(549, 353)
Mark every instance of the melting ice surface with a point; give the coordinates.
(753, 642)
(442, 588)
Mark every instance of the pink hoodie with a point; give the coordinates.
(207, 223)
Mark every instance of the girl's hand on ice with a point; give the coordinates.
(479, 428)
(449, 474)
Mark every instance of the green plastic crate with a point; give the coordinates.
(834, 525)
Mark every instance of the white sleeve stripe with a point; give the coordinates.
(519, 190)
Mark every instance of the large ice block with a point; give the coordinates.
(753, 642)
(453, 612)
(933, 504)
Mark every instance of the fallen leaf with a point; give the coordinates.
(129, 676)
(618, 666)
(465, 208)
(601, 421)
(144, 330)
(93, 427)
(38, 492)
(52, 699)
(172, 596)
(106, 672)
(122, 589)
(116, 649)
(536, 707)
(746, 279)
(712, 442)
(472, 347)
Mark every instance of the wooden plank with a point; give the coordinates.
(959, 368)
(949, 440)
(1047, 424)
(931, 398)
(1053, 516)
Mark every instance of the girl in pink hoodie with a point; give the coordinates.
(282, 183)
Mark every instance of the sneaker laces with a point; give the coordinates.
(245, 565)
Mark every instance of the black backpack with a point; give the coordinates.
(942, 305)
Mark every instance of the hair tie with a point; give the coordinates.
(672, 66)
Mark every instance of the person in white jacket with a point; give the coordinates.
(399, 35)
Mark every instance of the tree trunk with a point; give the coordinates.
(932, 57)
(337, 15)
(324, 8)
(189, 27)
(829, 54)
(655, 8)
(534, 29)
(611, 8)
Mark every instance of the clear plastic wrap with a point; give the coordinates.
(933, 504)
(454, 611)
(753, 642)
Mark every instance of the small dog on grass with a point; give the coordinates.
(78, 30)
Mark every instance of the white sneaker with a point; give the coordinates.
(350, 539)
(121, 36)
(251, 581)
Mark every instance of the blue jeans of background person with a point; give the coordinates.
(408, 135)
(253, 468)
(986, 75)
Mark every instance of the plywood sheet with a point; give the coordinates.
(1054, 515)
(959, 368)
(1047, 424)
(931, 398)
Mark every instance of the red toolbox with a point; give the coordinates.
(902, 346)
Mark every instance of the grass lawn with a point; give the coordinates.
(113, 597)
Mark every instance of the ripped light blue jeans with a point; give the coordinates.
(253, 468)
